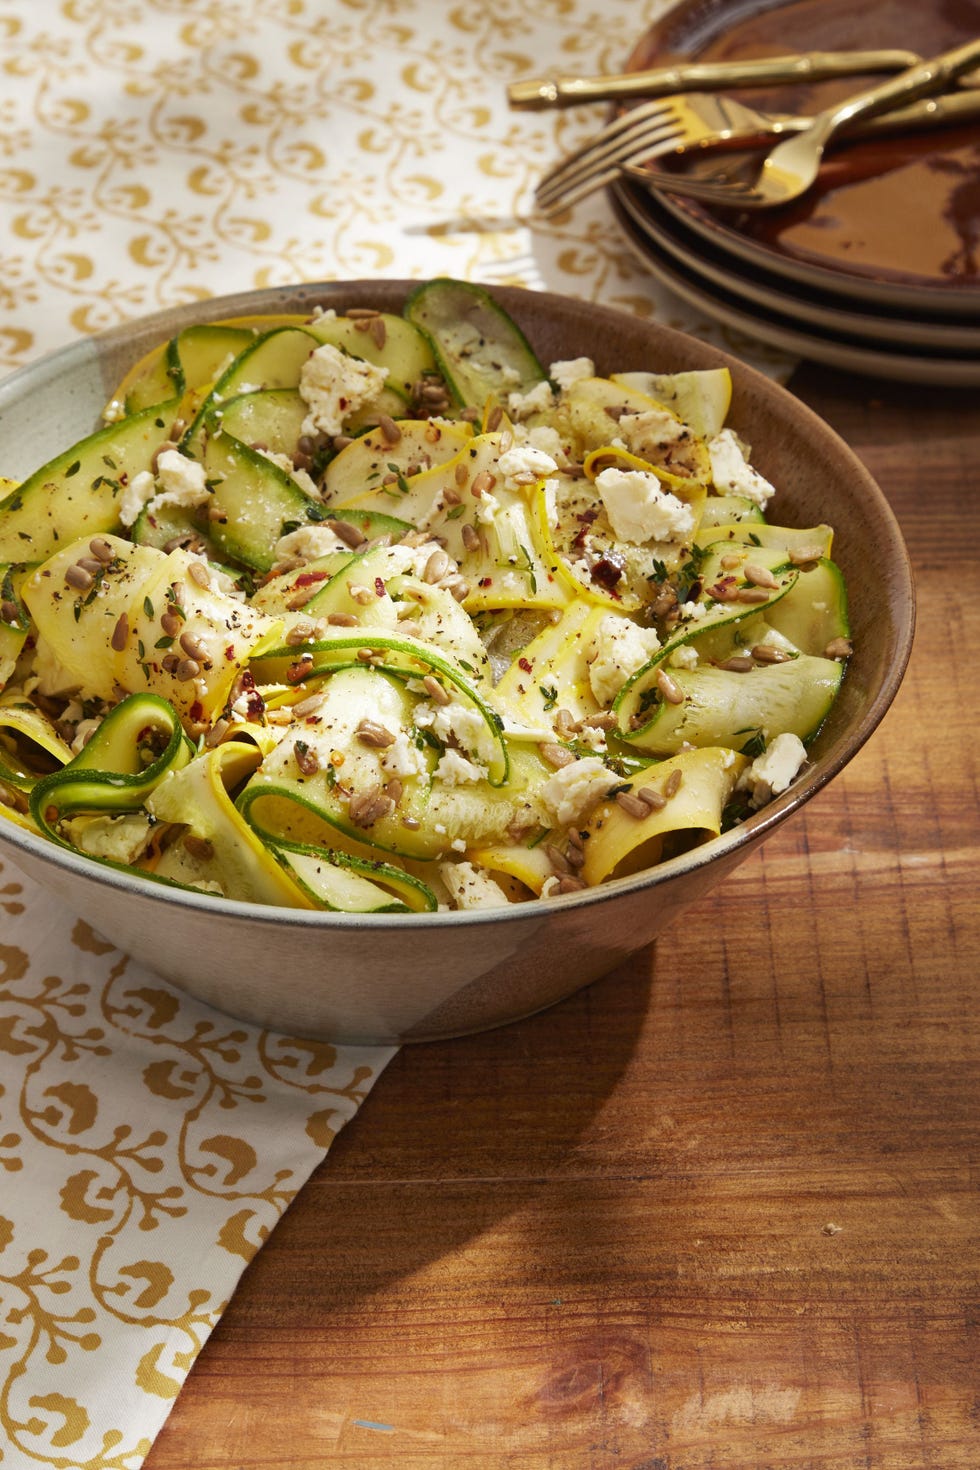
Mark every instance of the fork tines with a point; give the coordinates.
(627, 138)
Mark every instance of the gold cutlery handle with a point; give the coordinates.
(950, 109)
(944, 111)
(707, 76)
(919, 80)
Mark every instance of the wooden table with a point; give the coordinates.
(719, 1210)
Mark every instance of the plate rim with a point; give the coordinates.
(758, 289)
(789, 337)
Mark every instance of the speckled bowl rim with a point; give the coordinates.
(129, 341)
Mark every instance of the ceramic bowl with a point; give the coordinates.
(391, 978)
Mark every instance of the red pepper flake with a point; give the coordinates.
(606, 573)
(379, 586)
(309, 579)
(196, 711)
(229, 652)
(485, 582)
(245, 689)
(724, 590)
(586, 517)
(526, 665)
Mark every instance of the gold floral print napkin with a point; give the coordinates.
(152, 152)
(148, 1145)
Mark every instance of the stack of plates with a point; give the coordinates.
(877, 269)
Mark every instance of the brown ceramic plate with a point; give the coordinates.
(893, 222)
(813, 309)
(720, 299)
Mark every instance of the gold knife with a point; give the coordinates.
(704, 76)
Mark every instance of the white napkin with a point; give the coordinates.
(150, 154)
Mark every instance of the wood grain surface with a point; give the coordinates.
(720, 1210)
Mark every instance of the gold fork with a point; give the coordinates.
(698, 123)
(792, 166)
(648, 131)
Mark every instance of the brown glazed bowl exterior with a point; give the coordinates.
(391, 978)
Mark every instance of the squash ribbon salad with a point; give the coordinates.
(374, 613)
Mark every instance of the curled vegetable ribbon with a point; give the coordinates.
(111, 773)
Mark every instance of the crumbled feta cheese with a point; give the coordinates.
(731, 472)
(308, 542)
(539, 400)
(413, 560)
(488, 508)
(182, 481)
(403, 758)
(571, 370)
(525, 460)
(140, 490)
(221, 582)
(772, 772)
(594, 737)
(333, 386)
(122, 838)
(581, 566)
(651, 433)
(573, 790)
(470, 887)
(639, 509)
(548, 440)
(114, 411)
(455, 769)
(619, 648)
(84, 731)
(300, 477)
(692, 612)
(684, 657)
(247, 708)
(459, 722)
(179, 481)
